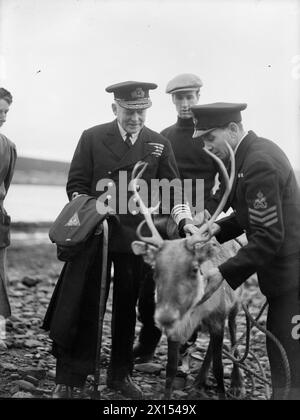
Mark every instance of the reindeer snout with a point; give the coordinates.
(166, 317)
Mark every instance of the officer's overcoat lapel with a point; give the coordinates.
(114, 142)
(125, 157)
(137, 152)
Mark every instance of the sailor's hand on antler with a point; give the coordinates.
(214, 229)
(190, 229)
(207, 231)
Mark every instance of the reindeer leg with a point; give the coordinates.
(200, 381)
(217, 337)
(172, 365)
(237, 386)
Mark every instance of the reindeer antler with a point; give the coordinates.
(155, 239)
(197, 237)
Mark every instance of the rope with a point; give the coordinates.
(285, 361)
(241, 362)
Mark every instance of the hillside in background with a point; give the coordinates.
(40, 171)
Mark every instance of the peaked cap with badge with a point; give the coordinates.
(131, 94)
(211, 116)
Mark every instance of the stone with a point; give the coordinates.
(153, 368)
(32, 380)
(3, 345)
(16, 293)
(24, 385)
(146, 387)
(227, 372)
(37, 373)
(8, 366)
(179, 394)
(51, 374)
(44, 301)
(21, 394)
(32, 343)
(179, 382)
(30, 281)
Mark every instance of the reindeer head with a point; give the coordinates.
(176, 263)
(177, 273)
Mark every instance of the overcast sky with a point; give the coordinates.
(57, 57)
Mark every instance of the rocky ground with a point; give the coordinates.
(27, 369)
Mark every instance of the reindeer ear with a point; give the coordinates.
(139, 248)
(147, 251)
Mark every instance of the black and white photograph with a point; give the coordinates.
(149, 202)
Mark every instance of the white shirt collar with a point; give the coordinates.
(240, 142)
(123, 134)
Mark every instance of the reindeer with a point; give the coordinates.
(182, 300)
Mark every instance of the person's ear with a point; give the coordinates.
(233, 127)
(114, 108)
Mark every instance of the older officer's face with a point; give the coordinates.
(132, 120)
(183, 102)
(4, 107)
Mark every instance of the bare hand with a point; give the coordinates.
(190, 229)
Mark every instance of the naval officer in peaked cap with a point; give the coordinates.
(266, 202)
(103, 152)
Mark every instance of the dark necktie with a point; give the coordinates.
(127, 140)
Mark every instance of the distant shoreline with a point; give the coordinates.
(30, 226)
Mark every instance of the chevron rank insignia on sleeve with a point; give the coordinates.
(158, 149)
(263, 217)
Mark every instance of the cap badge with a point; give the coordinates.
(260, 202)
(138, 93)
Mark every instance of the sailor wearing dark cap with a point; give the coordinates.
(193, 163)
(105, 152)
(266, 202)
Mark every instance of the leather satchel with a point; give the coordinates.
(77, 221)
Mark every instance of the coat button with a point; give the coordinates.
(108, 197)
(109, 172)
(110, 184)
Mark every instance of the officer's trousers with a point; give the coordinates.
(73, 369)
(4, 302)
